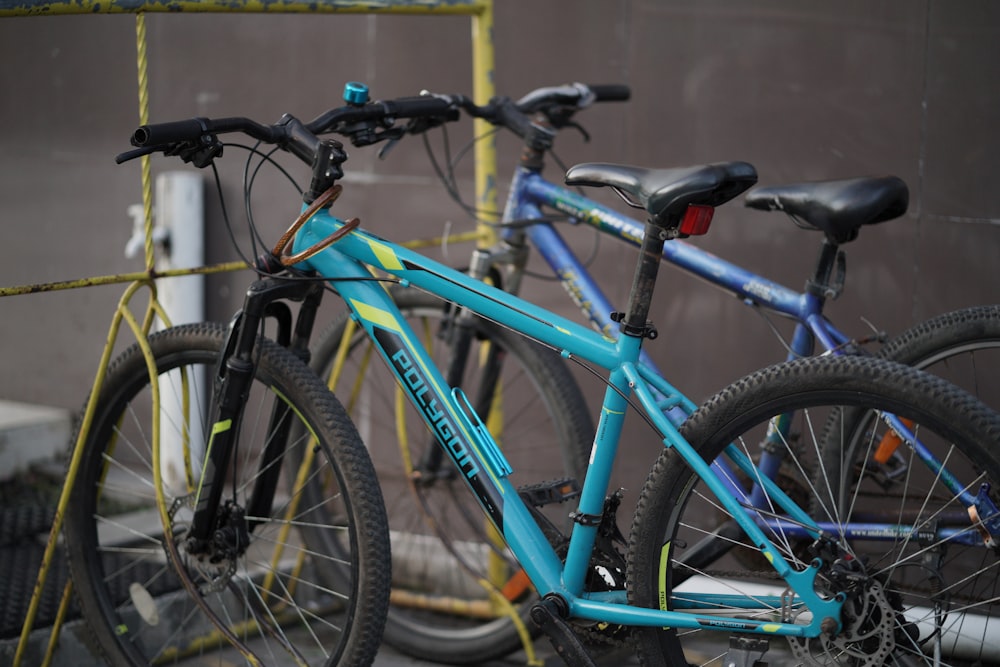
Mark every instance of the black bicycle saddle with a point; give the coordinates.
(666, 193)
(839, 208)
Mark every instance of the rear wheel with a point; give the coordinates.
(962, 346)
(914, 596)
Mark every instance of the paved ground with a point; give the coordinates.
(544, 652)
(73, 654)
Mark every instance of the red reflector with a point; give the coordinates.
(696, 220)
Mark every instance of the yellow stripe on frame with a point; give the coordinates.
(385, 255)
(376, 316)
(385, 320)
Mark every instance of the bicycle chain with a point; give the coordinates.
(607, 634)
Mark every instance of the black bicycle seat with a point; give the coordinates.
(666, 193)
(838, 208)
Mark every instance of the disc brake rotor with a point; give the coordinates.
(867, 638)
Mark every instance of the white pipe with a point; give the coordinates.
(963, 635)
(180, 214)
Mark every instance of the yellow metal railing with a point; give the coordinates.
(481, 13)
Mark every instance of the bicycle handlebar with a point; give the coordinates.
(425, 106)
(190, 130)
(576, 94)
(556, 103)
(611, 92)
(194, 139)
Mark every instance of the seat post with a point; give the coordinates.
(828, 280)
(635, 322)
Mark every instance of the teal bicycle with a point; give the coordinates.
(439, 612)
(279, 548)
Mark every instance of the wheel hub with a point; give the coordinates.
(868, 635)
(215, 559)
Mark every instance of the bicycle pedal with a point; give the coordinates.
(546, 493)
(548, 614)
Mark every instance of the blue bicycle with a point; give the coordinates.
(440, 612)
(268, 537)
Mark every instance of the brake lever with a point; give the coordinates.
(133, 154)
(390, 141)
(368, 136)
(200, 153)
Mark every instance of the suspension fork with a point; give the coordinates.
(265, 299)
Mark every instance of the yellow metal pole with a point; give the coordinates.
(71, 471)
(147, 177)
(38, 288)
(63, 7)
(483, 88)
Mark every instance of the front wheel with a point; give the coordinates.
(920, 583)
(294, 580)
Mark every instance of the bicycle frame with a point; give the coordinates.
(481, 462)
(530, 192)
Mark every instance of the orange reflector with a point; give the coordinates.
(516, 586)
(889, 443)
(696, 220)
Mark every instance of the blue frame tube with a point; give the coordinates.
(422, 272)
(595, 485)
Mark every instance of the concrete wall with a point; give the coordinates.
(802, 90)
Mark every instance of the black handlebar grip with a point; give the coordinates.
(417, 107)
(168, 133)
(509, 116)
(611, 92)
